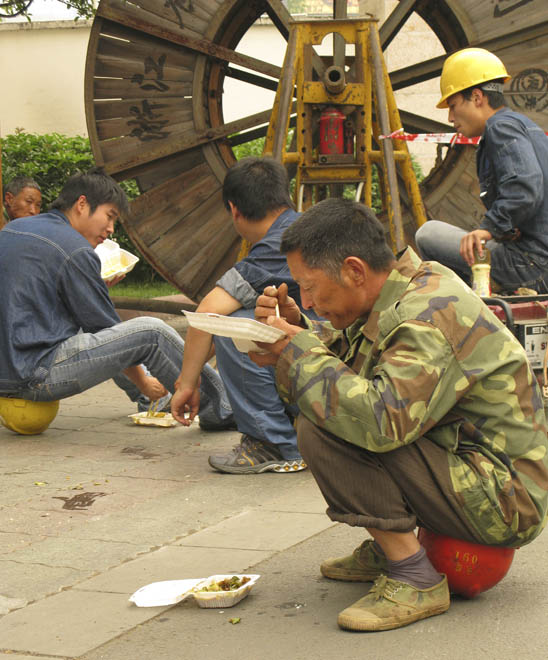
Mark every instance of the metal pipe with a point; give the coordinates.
(334, 79)
(393, 208)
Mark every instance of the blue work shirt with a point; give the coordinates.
(512, 166)
(264, 266)
(51, 288)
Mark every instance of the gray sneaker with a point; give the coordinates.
(365, 564)
(254, 456)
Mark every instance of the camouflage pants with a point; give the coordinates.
(393, 491)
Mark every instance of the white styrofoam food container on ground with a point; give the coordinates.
(171, 592)
(154, 419)
(115, 261)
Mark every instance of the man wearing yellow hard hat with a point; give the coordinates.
(512, 167)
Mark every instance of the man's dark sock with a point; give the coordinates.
(415, 570)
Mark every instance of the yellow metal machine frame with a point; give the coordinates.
(358, 86)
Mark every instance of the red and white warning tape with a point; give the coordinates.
(442, 138)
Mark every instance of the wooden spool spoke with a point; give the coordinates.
(394, 23)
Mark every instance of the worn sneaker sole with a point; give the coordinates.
(344, 575)
(349, 622)
(282, 467)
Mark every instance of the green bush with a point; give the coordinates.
(49, 159)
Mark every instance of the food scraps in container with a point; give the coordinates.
(228, 584)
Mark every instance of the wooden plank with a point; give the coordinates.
(124, 60)
(126, 14)
(147, 72)
(120, 88)
(155, 212)
(88, 90)
(153, 174)
(126, 154)
(145, 76)
(108, 109)
(142, 144)
(137, 16)
(487, 20)
(115, 128)
(212, 242)
(192, 248)
(127, 43)
(184, 13)
(226, 261)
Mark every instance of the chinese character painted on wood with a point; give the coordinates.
(503, 7)
(158, 69)
(176, 5)
(147, 123)
(529, 89)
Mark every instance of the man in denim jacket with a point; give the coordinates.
(512, 166)
(256, 192)
(59, 331)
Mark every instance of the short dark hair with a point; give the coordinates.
(96, 186)
(18, 183)
(257, 186)
(495, 100)
(335, 229)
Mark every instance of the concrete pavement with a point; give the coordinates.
(97, 507)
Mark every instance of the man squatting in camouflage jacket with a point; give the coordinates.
(418, 407)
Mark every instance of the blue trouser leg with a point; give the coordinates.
(87, 359)
(510, 267)
(440, 241)
(256, 404)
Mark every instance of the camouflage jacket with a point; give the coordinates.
(432, 360)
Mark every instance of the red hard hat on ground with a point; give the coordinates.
(470, 567)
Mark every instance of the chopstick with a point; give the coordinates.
(277, 306)
(152, 408)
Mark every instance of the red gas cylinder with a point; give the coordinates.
(470, 568)
(331, 132)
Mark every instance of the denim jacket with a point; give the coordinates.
(51, 287)
(512, 166)
(263, 266)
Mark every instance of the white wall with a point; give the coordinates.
(42, 73)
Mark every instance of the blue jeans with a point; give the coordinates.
(510, 267)
(256, 404)
(87, 359)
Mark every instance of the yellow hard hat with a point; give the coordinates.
(469, 67)
(27, 417)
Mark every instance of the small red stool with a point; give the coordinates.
(470, 568)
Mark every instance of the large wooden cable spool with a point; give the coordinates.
(154, 88)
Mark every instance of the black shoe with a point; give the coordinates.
(228, 424)
(254, 456)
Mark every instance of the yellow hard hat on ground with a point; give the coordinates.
(27, 417)
(467, 68)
